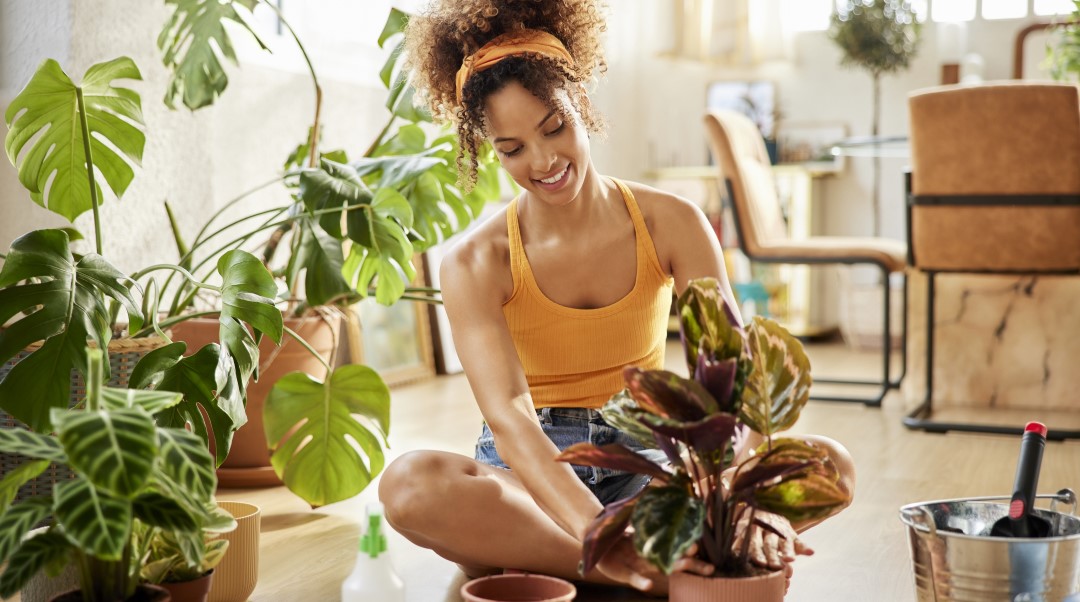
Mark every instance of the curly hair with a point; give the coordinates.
(438, 40)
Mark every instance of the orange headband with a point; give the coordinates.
(517, 43)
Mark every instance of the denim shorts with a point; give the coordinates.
(567, 426)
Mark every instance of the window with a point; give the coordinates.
(956, 10)
(1054, 7)
(1003, 9)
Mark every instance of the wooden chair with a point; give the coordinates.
(745, 169)
(994, 189)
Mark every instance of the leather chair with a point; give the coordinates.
(745, 169)
(994, 189)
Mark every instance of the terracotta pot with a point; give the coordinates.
(248, 463)
(143, 593)
(516, 587)
(238, 572)
(195, 590)
(685, 587)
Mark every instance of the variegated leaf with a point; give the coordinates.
(708, 325)
(151, 401)
(605, 530)
(667, 521)
(97, 522)
(185, 460)
(115, 449)
(808, 497)
(38, 552)
(778, 385)
(17, 521)
(613, 456)
(33, 445)
(623, 413)
(669, 395)
(159, 510)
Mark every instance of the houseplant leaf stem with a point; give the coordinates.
(89, 168)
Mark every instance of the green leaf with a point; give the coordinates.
(195, 44)
(62, 302)
(95, 521)
(395, 24)
(194, 377)
(778, 385)
(36, 553)
(150, 401)
(333, 186)
(247, 296)
(47, 112)
(667, 521)
(390, 203)
(182, 248)
(15, 479)
(184, 459)
(613, 456)
(622, 412)
(327, 469)
(785, 460)
(708, 325)
(34, 445)
(17, 521)
(162, 511)
(391, 63)
(114, 449)
(320, 256)
(808, 497)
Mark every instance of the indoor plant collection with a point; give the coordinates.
(753, 379)
(350, 228)
(136, 485)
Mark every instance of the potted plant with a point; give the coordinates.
(713, 489)
(182, 564)
(128, 472)
(71, 142)
(348, 229)
(880, 36)
(1063, 50)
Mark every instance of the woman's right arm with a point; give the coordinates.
(473, 289)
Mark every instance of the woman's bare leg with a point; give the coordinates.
(475, 515)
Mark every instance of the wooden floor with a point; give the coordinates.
(861, 554)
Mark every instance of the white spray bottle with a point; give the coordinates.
(373, 578)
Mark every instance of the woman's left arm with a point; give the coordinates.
(686, 243)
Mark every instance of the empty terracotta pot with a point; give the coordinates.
(518, 588)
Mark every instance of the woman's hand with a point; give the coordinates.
(767, 548)
(622, 563)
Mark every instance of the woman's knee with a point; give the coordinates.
(841, 459)
(414, 486)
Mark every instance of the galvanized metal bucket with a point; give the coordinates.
(956, 559)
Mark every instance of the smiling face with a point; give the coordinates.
(545, 153)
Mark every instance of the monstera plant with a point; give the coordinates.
(713, 488)
(130, 475)
(348, 228)
(69, 143)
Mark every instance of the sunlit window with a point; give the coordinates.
(805, 15)
(1004, 9)
(1053, 7)
(953, 10)
(921, 8)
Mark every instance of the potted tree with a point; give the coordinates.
(349, 228)
(713, 489)
(880, 36)
(129, 474)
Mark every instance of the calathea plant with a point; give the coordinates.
(349, 228)
(711, 490)
(130, 475)
(69, 143)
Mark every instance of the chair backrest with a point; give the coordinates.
(977, 152)
(740, 152)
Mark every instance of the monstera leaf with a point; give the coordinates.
(778, 385)
(327, 469)
(247, 297)
(318, 255)
(50, 105)
(195, 43)
(62, 302)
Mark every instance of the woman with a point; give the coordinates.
(548, 301)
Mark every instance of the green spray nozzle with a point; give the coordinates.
(373, 542)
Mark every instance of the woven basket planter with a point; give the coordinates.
(123, 355)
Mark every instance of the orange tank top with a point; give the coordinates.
(574, 357)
